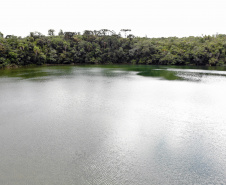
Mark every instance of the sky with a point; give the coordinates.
(151, 18)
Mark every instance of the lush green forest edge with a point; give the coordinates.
(107, 47)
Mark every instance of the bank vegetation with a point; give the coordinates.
(106, 47)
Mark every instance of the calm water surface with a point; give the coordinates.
(113, 125)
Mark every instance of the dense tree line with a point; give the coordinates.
(105, 46)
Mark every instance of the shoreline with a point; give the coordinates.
(9, 67)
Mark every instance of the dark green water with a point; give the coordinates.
(113, 125)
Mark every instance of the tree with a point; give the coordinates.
(68, 35)
(8, 36)
(125, 30)
(36, 51)
(35, 34)
(51, 32)
(61, 33)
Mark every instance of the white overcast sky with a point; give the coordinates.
(154, 18)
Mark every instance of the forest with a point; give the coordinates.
(106, 47)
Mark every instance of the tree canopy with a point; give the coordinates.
(105, 46)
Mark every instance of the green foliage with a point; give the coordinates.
(3, 62)
(104, 46)
(1, 35)
(61, 33)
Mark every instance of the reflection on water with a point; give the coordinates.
(190, 73)
(113, 125)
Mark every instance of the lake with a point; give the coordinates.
(113, 125)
